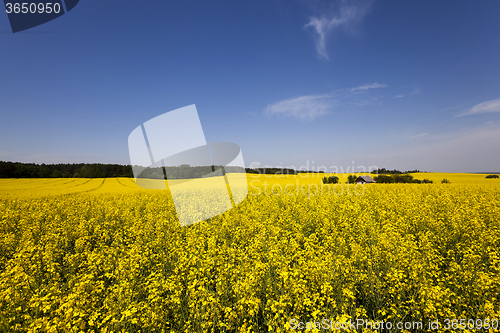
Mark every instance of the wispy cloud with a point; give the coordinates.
(304, 107)
(485, 107)
(310, 107)
(461, 106)
(374, 85)
(348, 17)
(420, 135)
(416, 91)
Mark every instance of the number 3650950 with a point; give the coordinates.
(33, 8)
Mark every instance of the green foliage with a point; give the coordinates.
(406, 178)
(385, 171)
(385, 179)
(331, 180)
(98, 170)
(445, 181)
(271, 171)
(400, 178)
(57, 174)
(393, 172)
(351, 179)
(492, 176)
(32, 170)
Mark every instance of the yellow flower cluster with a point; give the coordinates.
(118, 261)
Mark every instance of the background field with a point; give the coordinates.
(103, 255)
(50, 186)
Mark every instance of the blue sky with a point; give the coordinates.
(395, 84)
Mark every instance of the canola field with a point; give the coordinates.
(103, 255)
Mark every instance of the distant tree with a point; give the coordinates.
(384, 179)
(400, 178)
(385, 171)
(351, 179)
(492, 176)
(445, 181)
(331, 180)
(406, 178)
(56, 174)
(31, 170)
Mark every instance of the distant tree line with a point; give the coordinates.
(382, 171)
(492, 176)
(400, 178)
(81, 170)
(383, 179)
(279, 171)
(272, 171)
(351, 179)
(331, 180)
(186, 171)
(98, 170)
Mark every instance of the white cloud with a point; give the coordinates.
(374, 85)
(485, 107)
(348, 17)
(420, 135)
(415, 91)
(453, 108)
(310, 107)
(304, 107)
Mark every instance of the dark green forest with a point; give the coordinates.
(98, 170)
(400, 178)
(384, 171)
(81, 170)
